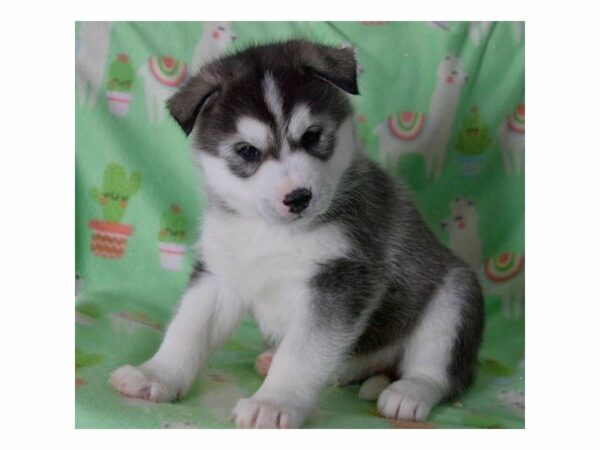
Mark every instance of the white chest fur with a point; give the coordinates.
(268, 266)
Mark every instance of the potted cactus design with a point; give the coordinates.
(118, 87)
(109, 238)
(172, 236)
(473, 139)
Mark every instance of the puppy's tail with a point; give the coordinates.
(374, 386)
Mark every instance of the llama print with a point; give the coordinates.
(463, 231)
(511, 135)
(91, 57)
(504, 276)
(427, 135)
(216, 36)
(162, 76)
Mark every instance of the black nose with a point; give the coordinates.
(297, 200)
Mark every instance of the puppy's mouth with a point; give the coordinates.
(270, 214)
(303, 215)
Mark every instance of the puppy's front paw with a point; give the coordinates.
(140, 382)
(249, 413)
(407, 400)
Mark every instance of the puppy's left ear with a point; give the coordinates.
(336, 66)
(193, 99)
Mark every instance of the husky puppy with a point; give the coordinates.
(319, 244)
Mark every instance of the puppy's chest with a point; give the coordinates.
(269, 266)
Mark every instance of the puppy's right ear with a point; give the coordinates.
(195, 97)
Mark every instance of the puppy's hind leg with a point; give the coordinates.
(206, 317)
(441, 354)
(374, 386)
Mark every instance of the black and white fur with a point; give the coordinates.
(349, 284)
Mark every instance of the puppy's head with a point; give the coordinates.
(272, 127)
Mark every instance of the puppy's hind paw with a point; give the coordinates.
(141, 383)
(373, 387)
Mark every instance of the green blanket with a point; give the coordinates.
(456, 89)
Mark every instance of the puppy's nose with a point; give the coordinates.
(297, 200)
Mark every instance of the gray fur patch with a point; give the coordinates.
(345, 288)
(402, 263)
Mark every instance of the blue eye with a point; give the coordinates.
(249, 153)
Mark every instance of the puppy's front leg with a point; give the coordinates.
(324, 330)
(207, 315)
(301, 366)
